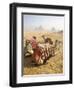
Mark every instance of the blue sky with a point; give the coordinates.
(46, 22)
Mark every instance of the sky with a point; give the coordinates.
(36, 22)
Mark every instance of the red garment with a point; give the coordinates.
(37, 55)
(33, 43)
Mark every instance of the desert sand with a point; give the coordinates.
(54, 64)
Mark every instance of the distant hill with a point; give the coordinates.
(60, 32)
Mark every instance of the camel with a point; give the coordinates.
(42, 52)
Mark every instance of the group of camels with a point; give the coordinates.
(43, 51)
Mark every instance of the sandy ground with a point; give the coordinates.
(54, 64)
